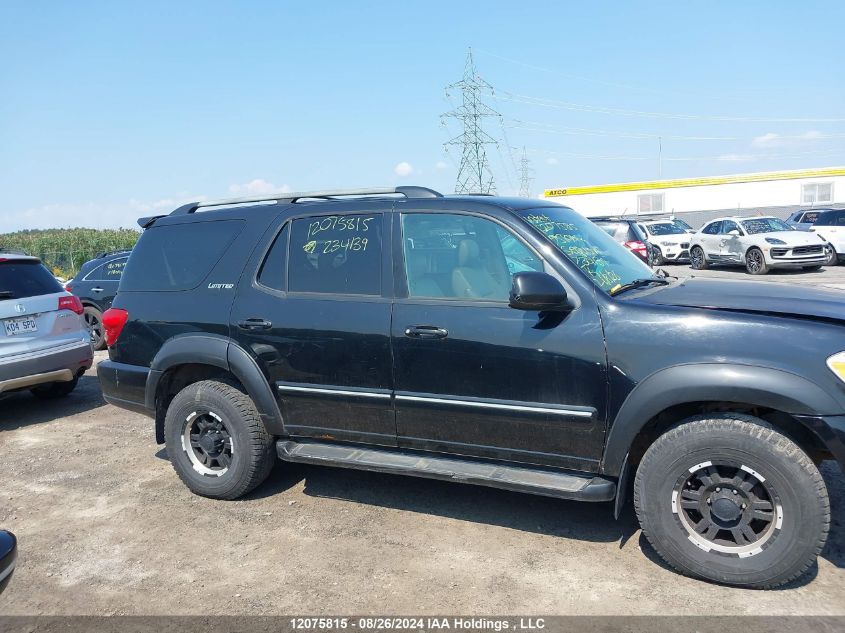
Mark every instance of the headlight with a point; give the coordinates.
(837, 365)
(774, 240)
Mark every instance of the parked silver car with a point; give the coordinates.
(44, 344)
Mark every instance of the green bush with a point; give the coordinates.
(65, 250)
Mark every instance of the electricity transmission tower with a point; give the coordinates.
(474, 175)
(525, 178)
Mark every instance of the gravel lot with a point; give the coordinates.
(105, 527)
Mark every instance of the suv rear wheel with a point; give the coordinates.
(54, 389)
(730, 499)
(216, 440)
(94, 322)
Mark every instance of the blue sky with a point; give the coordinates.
(109, 111)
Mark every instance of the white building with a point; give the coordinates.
(777, 193)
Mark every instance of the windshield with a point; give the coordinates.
(665, 228)
(603, 259)
(765, 225)
(681, 224)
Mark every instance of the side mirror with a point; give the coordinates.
(537, 291)
(734, 232)
(8, 557)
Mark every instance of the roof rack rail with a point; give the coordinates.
(114, 252)
(13, 251)
(286, 198)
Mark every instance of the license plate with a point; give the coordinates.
(23, 325)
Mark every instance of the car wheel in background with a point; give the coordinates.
(94, 322)
(657, 258)
(216, 440)
(832, 257)
(755, 262)
(697, 259)
(726, 497)
(54, 389)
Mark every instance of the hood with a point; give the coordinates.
(761, 297)
(792, 238)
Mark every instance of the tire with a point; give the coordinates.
(94, 322)
(755, 262)
(776, 476)
(697, 258)
(832, 257)
(233, 452)
(658, 259)
(54, 390)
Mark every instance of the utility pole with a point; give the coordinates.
(474, 175)
(525, 178)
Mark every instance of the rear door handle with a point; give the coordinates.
(255, 324)
(97, 289)
(426, 331)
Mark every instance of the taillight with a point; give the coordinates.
(113, 321)
(68, 288)
(637, 247)
(71, 303)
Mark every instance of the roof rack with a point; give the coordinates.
(287, 198)
(114, 252)
(13, 251)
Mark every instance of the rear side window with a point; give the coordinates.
(712, 229)
(831, 218)
(178, 257)
(616, 230)
(19, 280)
(111, 271)
(336, 254)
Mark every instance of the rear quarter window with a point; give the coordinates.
(831, 218)
(19, 279)
(178, 256)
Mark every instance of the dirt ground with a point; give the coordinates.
(105, 527)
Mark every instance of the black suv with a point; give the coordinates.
(503, 342)
(96, 285)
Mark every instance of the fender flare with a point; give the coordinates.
(216, 351)
(713, 382)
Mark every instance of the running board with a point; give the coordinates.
(398, 462)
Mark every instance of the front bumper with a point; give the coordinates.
(800, 256)
(831, 430)
(55, 364)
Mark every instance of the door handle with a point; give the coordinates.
(426, 331)
(255, 324)
(97, 289)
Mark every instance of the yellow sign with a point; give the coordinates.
(697, 182)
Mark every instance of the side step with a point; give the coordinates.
(398, 462)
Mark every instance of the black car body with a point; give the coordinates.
(393, 334)
(96, 285)
(8, 557)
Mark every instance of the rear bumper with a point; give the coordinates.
(124, 386)
(56, 364)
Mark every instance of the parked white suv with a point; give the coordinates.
(669, 240)
(830, 226)
(44, 344)
(758, 243)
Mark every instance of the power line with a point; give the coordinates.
(581, 107)
(525, 178)
(534, 126)
(474, 174)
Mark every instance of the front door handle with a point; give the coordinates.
(426, 331)
(255, 324)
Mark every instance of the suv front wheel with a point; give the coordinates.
(216, 440)
(727, 498)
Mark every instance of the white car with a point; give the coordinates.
(670, 241)
(830, 226)
(758, 243)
